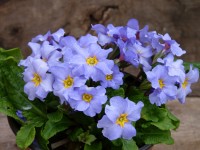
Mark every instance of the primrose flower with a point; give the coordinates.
(107, 34)
(117, 123)
(38, 81)
(143, 55)
(175, 68)
(113, 80)
(165, 43)
(44, 51)
(191, 77)
(133, 31)
(20, 115)
(163, 84)
(51, 38)
(65, 81)
(88, 99)
(91, 60)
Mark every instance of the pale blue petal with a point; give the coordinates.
(113, 132)
(35, 47)
(30, 90)
(128, 131)
(40, 67)
(47, 83)
(82, 106)
(104, 122)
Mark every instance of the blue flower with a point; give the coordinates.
(163, 84)
(191, 77)
(88, 99)
(113, 80)
(20, 115)
(107, 34)
(51, 38)
(65, 81)
(38, 81)
(117, 123)
(166, 44)
(44, 51)
(175, 68)
(91, 60)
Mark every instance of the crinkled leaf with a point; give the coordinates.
(129, 145)
(12, 53)
(164, 124)
(25, 136)
(152, 112)
(174, 119)
(55, 116)
(43, 144)
(12, 82)
(86, 138)
(33, 118)
(112, 92)
(93, 146)
(7, 108)
(153, 135)
(117, 142)
(75, 134)
(52, 128)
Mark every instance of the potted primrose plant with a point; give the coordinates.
(107, 91)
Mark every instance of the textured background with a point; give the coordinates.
(21, 20)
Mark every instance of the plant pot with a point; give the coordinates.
(56, 143)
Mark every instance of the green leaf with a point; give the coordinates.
(7, 108)
(75, 134)
(93, 146)
(41, 141)
(174, 119)
(33, 118)
(25, 136)
(55, 116)
(129, 145)
(12, 53)
(153, 135)
(117, 142)
(52, 128)
(135, 95)
(112, 92)
(164, 124)
(86, 138)
(153, 113)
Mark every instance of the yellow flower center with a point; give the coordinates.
(68, 82)
(185, 83)
(92, 61)
(109, 77)
(87, 97)
(161, 83)
(122, 119)
(36, 79)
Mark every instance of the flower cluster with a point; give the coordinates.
(81, 71)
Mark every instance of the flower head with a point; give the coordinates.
(163, 84)
(88, 99)
(65, 81)
(191, 77)
(119, 116)
(38, 81)
(91, 60)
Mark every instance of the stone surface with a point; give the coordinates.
(22, 20)
(187, 136)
